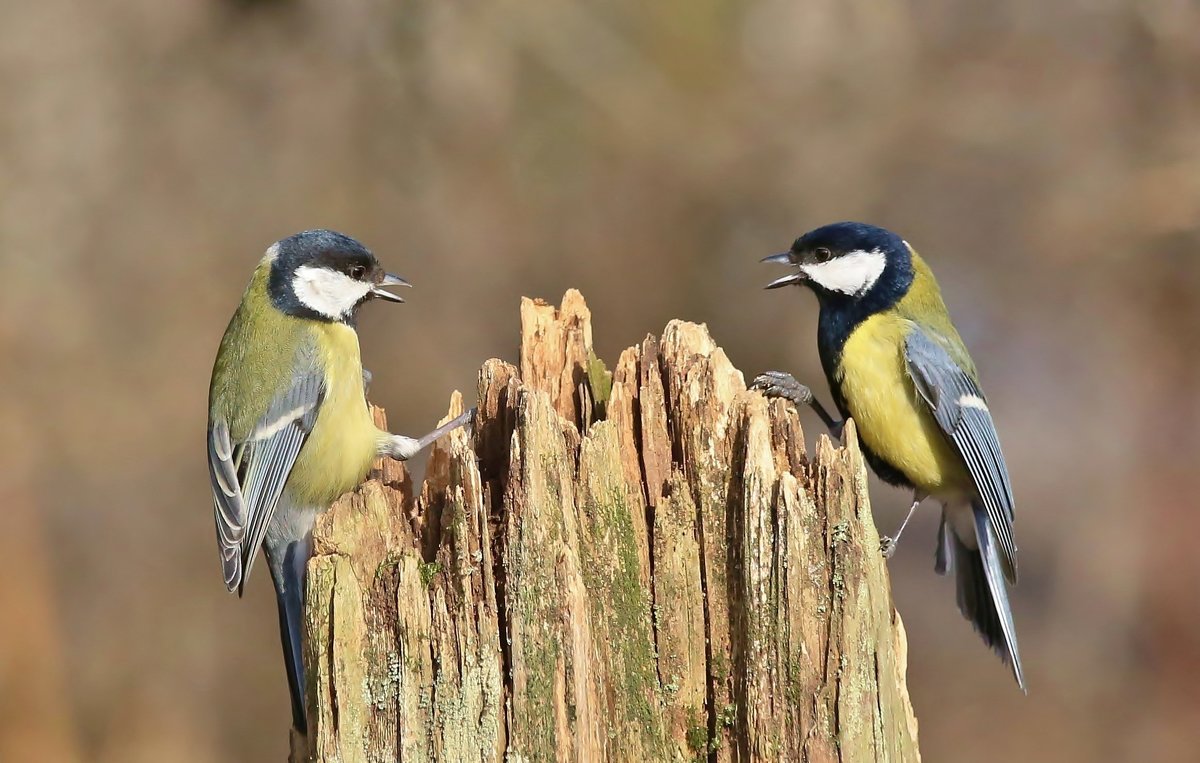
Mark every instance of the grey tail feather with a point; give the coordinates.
(945, 552)
(289, 593)
(982, 595)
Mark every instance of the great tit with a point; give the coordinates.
(897, 366)
(289, 429)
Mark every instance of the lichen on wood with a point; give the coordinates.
(642, 564)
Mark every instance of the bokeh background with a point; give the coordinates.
(1044, 156)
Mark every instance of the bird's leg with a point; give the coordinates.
(887, 544)
(780, 384)
(403, 448)
(366, 380)
(461, 419)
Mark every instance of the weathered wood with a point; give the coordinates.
(643, 565)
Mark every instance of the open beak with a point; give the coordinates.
(389, 280)
(783, 258)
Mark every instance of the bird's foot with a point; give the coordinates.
(784, 385)
(887, 546)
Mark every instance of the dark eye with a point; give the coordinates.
(357, 272)
(822, 254)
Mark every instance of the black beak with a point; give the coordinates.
(783, 258)
(389, 280)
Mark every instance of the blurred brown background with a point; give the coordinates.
(1044, 156)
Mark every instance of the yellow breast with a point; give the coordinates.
(893, 421)
(339, 451)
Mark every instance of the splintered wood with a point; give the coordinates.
(637, 566)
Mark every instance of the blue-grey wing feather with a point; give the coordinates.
(945, 386)
(228, 504)
(248, 477)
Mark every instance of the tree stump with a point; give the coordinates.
(640, 565)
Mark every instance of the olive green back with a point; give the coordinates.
(254, 360)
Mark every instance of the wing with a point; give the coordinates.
(248, 476)
(961, 412)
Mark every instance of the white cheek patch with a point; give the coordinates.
(328, 292)
(853, 273)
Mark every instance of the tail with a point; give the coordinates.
(288, 575)
(982, 595)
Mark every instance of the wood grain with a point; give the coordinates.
(643, 565)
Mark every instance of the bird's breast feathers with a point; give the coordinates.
(339, 452)
(893, 421)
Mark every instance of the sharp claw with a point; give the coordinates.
(887, 546)
(778, 384)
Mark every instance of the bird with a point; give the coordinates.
(289, 428)
(896, 364)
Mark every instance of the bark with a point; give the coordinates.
(642, 565)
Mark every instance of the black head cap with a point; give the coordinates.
(845, 237)
(324, 275)
(849, 262)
